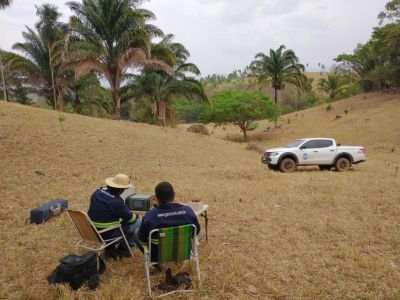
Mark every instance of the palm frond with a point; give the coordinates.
(86, 66)
(5, 3)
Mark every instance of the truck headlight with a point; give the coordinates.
(274, 154)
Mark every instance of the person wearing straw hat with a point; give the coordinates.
(107, 209)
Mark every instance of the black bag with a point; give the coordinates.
(76, 270)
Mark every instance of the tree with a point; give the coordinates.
(3, 79)
(5, 3)
(361, 63)
(51, 31)
(334, 85)
(41, 65)
(391, 12)
(190, 111)
(12, 87)
(162, 88)
(376, 64)
(110, 37)
(281, 67)
(86, 96)
(240, 109)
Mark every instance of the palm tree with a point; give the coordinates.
(161, 88)
(5, 3)
(334, 85)
(3, 79)
(111, 37)
(281, 67)
(88, 97)
(51, 31)
(41, 65)
(12, 86)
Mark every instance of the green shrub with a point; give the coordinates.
(61, 118)
(311, 99)
(190, 111)
(252, 126)
(198, 128)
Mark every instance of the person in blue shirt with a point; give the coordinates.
(107, 209)
(166, 214)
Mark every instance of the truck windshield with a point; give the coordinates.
(294, 144)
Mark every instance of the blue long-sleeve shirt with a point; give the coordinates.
(107, 209)
(165, 215)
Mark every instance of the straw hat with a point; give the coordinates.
(120, 181)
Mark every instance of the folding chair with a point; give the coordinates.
(174, 244)
(90, 234)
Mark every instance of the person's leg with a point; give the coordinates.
(129, 231)
(136, 238)
(111, 250)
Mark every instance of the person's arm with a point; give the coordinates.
(144, 231)
(123, 211)
(196, 223)
(194, 219)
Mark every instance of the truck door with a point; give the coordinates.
(326, 152)
(307, 153)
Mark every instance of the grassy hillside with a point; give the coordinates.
(309, 234)
(368, 119)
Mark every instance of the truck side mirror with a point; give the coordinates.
(302, 147)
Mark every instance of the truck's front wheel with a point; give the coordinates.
(287, 165)
(342, 164)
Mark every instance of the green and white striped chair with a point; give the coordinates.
(174, 244)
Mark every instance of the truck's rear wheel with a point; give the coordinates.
(342, 164)
(287, 165)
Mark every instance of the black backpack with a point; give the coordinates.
(76, 270)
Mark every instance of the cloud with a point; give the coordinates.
(223, 35)
(226, 34)
(20, 14)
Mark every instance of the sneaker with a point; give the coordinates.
(111, 252)
(123, 253)
(156, 270)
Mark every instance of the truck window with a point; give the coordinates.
(324, 143)
(294, 144)
(310, 145)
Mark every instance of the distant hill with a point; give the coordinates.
(288, 96)
(246, 84)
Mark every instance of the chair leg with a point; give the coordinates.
(196, 258)
(198, 269)
(126, 242)
(147, 271)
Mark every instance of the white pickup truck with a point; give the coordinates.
(315, 151)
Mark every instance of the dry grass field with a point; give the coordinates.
(306, 235)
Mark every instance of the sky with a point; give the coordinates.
(224, 35)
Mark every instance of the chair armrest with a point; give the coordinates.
(110, 228)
